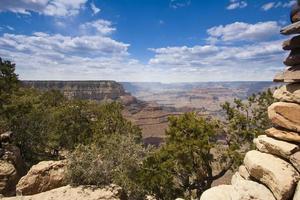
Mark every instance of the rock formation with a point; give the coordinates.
(87, 90)
(12, 166)
(42, 177)
(273, 170)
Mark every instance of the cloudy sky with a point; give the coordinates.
(144, 40)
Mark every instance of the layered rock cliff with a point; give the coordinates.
(90, 90)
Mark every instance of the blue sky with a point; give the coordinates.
(144, 40)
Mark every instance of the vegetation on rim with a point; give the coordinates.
(105, 148)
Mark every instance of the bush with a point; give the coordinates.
(116, 161)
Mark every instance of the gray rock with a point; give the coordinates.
(293, 43)
(293, 59)
(291, 29)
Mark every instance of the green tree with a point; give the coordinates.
(245, 120)
(183, 167)
(8, 84)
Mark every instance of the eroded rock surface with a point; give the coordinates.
(283, 134)
(278, 175)
(42, 177)
(286, 115)
(288, 93)
(276, 147)
(75, 193)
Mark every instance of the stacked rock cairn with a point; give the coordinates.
(272, 172)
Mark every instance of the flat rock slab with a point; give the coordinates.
(288, 93)
(291, 29)
(290, 75)
(278, 175)
(293, 59)
(73, 193)
(276, 147)
(285, 115)
(291, 44)
(283, 135)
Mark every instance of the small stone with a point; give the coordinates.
(283, 135)
(293, 59)
(291, 44)
(288, 93)
(276, 147)
(278, 175)
(291, 29)
(285, 115)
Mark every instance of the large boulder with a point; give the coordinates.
(278, 175)
(42, 177)
(8, 178)
(270, 145)
(76, 193)
(240, 190)
(286, 115)
(248, 190)
(288, 93)
(283, 135)
(12, 167)
(221, 192)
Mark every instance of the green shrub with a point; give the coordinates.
(117, 161)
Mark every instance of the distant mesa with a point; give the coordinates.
(102, 90)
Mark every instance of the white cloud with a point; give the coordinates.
(95, 9)
(45, 7)
(179, 3)
(240, 31)
(235, 4)
(102, 27)
(46, 56)
(278, 4)
(220, 63)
